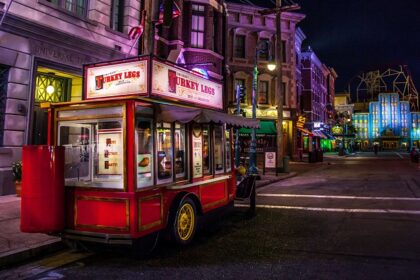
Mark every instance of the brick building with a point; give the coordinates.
(246, 28)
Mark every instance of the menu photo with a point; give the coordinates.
(110, 152)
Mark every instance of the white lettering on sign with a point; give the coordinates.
(173, 83)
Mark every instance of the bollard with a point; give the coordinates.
(286, 160)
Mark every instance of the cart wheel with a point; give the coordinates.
(185, 222)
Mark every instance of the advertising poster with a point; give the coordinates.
(197, 153)
(144, 163)
(270, 160)
(119, 79)
(169, 81)
(110, 153)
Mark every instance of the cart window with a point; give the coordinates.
(197, 144)
(94, 152)
(164, 152)
(180, 151)
(218, 149)
(206, 150)
(144, 143)
(228, 152)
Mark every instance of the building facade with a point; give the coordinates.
(44, 44)
(317, 98)
(388, 123)
(247, 28)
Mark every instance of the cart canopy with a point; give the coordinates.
(171, 113)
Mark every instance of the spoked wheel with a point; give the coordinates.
(185, 222)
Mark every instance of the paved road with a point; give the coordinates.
(354, 217)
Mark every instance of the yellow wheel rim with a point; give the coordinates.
(186, 222)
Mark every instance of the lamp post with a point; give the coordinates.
(262, 46)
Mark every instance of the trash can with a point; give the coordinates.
(312, 156)
(286, 160)
(320, 155)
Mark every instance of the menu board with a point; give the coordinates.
(197, 152)
(110, 152)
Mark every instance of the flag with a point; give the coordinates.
(165, 12)
(136, 32)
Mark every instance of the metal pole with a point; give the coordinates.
(279, 91)
(253, 147)
(5, 12)
(238, 112)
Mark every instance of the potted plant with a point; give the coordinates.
(17, 176)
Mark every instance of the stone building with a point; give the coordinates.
(247, 28)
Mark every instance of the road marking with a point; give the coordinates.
(319, 209)
(398, 154)
(338, 196)
(43, 265)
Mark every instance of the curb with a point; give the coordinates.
(268, 182)
(20, 255)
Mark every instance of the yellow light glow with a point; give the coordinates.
(271, 66)
(50, 89)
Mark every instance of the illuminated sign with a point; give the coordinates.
(300, 122)
(124, 78)
(173, 83)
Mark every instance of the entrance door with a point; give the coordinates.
(49, 88)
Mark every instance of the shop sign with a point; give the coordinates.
(177, 84)
(124, 78)
(270, 159)
(197, 152)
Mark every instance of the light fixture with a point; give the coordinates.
(271, 66)
(50, 89)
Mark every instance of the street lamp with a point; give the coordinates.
(262, 46)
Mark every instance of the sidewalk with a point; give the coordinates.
(16, 246)
(269, 179)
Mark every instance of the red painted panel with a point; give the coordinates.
(150, 212)
(99, 213)
(213, 193)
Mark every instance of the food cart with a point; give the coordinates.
(149, 148)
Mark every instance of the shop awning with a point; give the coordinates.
(171, 113)
(266, 128)
(305, 131)
(317, 133)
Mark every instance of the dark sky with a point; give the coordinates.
(358, 35)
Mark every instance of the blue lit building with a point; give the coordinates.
(389, 123)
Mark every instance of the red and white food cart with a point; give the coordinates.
(147, 149)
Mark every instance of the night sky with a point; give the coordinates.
(358, 35)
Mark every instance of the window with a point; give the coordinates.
(240, 46)
(93, 152)
(206, 150)
(240, 82)
(197, 26)
(283, 51)
(284, 92)
(164, 152)
(228, 151)
(60, 88)
(263, 92)
(218, 149)
(263, 55)
(180, 151)
(117, 15)
(78, 7)
(4, 74)
(144, 144)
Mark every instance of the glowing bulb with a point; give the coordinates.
(50, 89)
(271, 66)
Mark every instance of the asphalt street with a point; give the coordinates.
(355, 217)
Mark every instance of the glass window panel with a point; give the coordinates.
(93, 152)
(180, 151)
(164, 153)
(206, 150)
(228, 151)
(263, 93)
(218, 149)
(144, 143)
